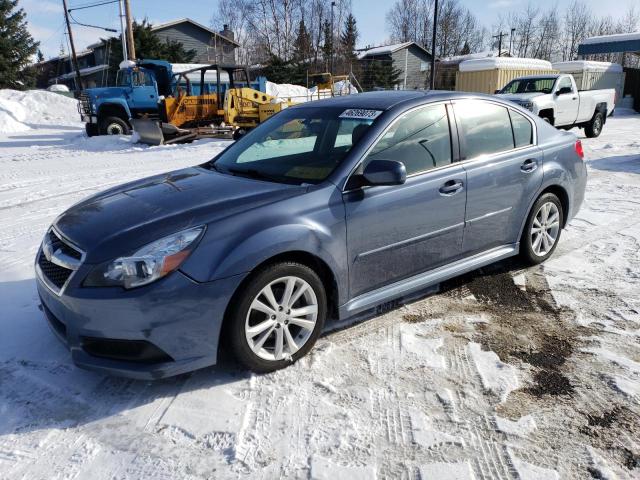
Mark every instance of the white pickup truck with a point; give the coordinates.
(556, 98)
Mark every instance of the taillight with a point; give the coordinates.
(579, 149)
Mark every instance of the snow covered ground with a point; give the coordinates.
(505, 373)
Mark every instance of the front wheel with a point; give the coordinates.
(114, 126)
(542, 230)
(594, 128)
(278, 317)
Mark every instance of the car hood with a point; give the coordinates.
(120, 220)
(106, 92)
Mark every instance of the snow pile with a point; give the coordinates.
(287, 91)
(504, 63)
(587, 66)
(299, 94)
(58, 87)
(20, 111)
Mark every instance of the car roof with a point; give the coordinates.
(386, 99)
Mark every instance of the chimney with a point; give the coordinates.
(225, 32)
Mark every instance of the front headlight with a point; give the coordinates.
(148, 264)
(527, 105)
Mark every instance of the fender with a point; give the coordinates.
(554, 176)
(114, 102)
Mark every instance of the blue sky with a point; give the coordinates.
(46, 20)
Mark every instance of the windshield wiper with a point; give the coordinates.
(256, 174)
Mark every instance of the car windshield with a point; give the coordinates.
(530, 85)
(298, 145)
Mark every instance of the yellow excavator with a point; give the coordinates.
(211, 101)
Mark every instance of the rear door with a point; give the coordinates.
(504, 172)
(394, 232)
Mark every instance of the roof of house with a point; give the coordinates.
(388, 49)
(162, 26)
(587, 66)
(619, 42)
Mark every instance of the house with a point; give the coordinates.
(210, 47)
(410, 59)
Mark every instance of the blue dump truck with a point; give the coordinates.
(139, 87)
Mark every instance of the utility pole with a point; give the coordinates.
(513, 31)
(130, 45)
(432, 79)
(499, 37)
(79, 86)
(333, 4)
(123, 33)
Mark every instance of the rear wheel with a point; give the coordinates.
(114, 126)
(594, 127)
(542, 230)
(278, 317)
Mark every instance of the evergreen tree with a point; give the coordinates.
(466, 49)
(39, 56)
(348, 39)
(17, 47)
(379, 75)
(327, 47)
(302, 45)
(148, 45)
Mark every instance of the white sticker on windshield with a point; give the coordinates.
(360, 113)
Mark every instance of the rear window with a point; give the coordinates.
(522, 129)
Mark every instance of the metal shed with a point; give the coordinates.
(486, 75)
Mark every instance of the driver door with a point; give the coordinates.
(394, 232)
(144, 95)
(566, 103)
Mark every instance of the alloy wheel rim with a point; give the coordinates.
(545, 228)
(281, 318)
(597, 124)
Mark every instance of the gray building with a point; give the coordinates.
(210, 47)
(412, 60)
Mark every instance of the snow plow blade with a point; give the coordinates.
(149, 131)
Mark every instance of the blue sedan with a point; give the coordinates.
(328, 209)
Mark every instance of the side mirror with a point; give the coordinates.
(496, 91)
(564, 91)
(384, 172)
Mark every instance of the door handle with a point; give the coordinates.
(451, 187)
(529, 165)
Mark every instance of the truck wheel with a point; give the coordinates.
(114, 126)
(594, 127)
(91, 129)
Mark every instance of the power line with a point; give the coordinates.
(76, 22)
(92, 5)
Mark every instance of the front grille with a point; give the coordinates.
(56, 274)
(58, 244)
(85, 104)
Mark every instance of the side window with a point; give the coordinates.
(565, 82)
(485, 127)
(522, 129)
(420, 139)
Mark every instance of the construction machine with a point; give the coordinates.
(211, 101)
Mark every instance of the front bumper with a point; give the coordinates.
(174, 316)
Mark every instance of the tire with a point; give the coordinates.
(91, 129)
(258, 349)
(593, 129)
(532, 250)
(114, 126)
